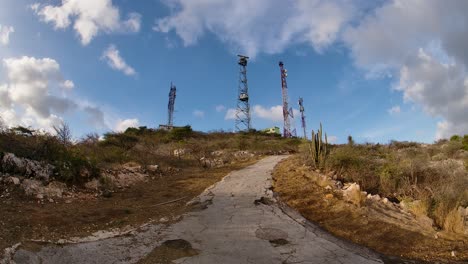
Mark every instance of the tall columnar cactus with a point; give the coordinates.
(318, 148)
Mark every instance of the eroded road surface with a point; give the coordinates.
(238, 221)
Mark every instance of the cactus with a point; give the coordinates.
(319, 150)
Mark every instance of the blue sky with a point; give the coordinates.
(373, 71)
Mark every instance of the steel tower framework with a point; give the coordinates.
(287, 113)
(243, 107)
(170, 106)
(303, 121)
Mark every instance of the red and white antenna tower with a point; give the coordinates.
(170, 106)
(287, 112)
(303, 121)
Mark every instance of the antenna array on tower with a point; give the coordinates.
(243, 107)
(287, 113)
(170, 107)
(303, 121)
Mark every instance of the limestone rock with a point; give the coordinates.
(14, 180)
(26, 167)
(153, 168)
(31, 187)
(92, 185)
(36, 188)
(353, 194)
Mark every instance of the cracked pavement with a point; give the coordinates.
(233, 228)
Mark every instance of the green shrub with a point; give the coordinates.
(465, 142)
(452, 147)
(455, 138)
(179, 133)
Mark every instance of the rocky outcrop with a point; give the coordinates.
(352, 193)
(39, 190)
(12, 164)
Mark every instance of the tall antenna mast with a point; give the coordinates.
(170, 106)
(287, 113)
(302, 110)
(243, 107)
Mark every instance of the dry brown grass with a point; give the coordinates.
(297, 187)
(434, 174)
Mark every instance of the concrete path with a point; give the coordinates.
(238, 222)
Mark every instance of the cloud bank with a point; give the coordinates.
(36, 94)
(89, 17)
(421, 44)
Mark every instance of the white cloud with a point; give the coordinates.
(220, 108)
(394, 110)
(423, 44)
(5, 32)
(274, 113)
(112, 56)
(199, 113)
(133, 23)
(230, 114)
(67, 84)
(268, 26)
(332, 139)
(89, 17)
(122, 125)
(29, 97)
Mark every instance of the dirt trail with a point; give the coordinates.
(237, 221)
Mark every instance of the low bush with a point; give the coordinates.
(434, 175)
(78, 161)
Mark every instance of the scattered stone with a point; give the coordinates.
(385, 200)
(92, 185)
(153, 168)
(453, 254)
(31, 187)
(243, 154)
(373, 197)
(68, 201)
(338, 184)
(55, 189)
(264, 200)
(179, 152)
(329, 196)
(51, 200)
(9, 253)
(164, 220)
(14, 180)
(353, 194)
(217, 153)
(328, 187)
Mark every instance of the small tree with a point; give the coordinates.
(63, 133)
(90, 139)
(350, 140)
